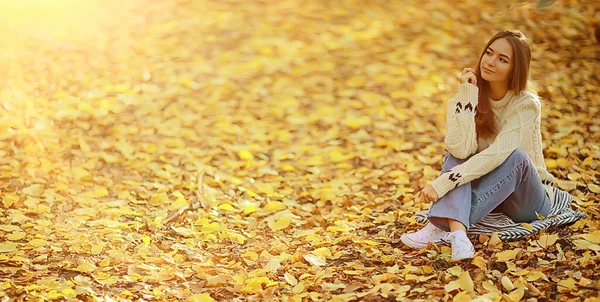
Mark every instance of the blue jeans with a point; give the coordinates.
(513, 188)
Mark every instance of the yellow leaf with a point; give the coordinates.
(200, 298)
(69, 292)
(179, 203)
(16, 236)
(54, 295)
(299, 288)
(280, 224)
(588, 162)
(272, 265)
(274, 206)
(489, 286)
(337, 156)
(551, 163)
(547, 240)
(323, 251)
(527, 226)
(462, 296)
(254, 285)
(237, 238)
(394, 269)
(246, 155)
(594, 188)
(33, 190)
(562, 162)
(85, 267)
(593, 237)
(507, 255)
(37, 242)
(9, 199)
(315, 260)
(100, 192)
(327, 194)
(287, 168)
(566, 284)
(479, 262)
(226, 207)
(494, 240)
(158, 199)
(516, 295)
(250, 255)
(464, 282)
(7, 247)
(104, 262)
(506, 283)
(289, 278)
(83, 145)
(585, 245)
(146, 240)
(79, 173)
(96, 249)
(536, 275)
(248, 207)
(370, 242)
(455, 270)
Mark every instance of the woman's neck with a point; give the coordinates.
(498, 90)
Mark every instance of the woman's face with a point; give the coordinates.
(497, 61)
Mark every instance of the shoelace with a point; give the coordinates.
(447, 238)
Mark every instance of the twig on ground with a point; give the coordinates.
(195, 205)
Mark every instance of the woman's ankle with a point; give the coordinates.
(456, 225)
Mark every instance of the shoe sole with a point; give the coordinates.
(417, 245)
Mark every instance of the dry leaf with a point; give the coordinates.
(506, 283)
(507, 255)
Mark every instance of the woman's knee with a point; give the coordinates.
(519, 152)
(518, 155)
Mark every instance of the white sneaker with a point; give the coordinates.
(420, 239)
(462, 248)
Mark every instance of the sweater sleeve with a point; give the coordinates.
(461, 137)
(520, 123)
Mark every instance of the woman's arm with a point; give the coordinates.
(461, 137)
(519, 126)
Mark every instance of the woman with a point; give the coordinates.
(494, 160)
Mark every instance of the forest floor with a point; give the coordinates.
(295, 133)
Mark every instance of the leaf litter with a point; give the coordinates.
(233, 151)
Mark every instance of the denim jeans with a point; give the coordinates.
(513, 188)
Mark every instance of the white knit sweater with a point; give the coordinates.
(518, 119)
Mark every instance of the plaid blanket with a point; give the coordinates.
(560, 213)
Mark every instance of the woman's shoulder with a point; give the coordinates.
(527, 98)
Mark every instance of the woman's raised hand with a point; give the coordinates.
(468, 76)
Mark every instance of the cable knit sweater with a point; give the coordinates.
(518, 119)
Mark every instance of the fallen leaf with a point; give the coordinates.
(547, 240)
(7, 247)
(279, 224)
(200, 298)
(507, 255)
(506, 283)
(290, 279)
(315, 260)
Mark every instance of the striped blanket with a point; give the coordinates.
(560, 213)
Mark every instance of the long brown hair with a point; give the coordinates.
(484, 120)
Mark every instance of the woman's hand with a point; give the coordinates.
(428, 194)
(468, 76)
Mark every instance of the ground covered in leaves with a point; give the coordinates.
(298, 132)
